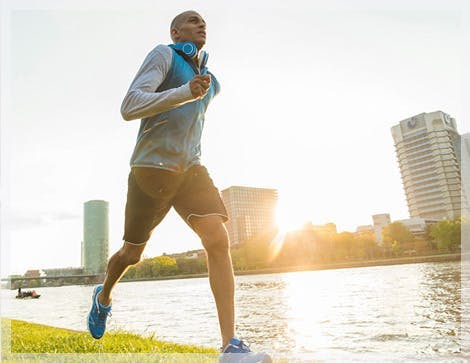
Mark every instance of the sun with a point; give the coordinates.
(287, 221)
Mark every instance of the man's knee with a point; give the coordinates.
(214, 237)
(131, 254)
(217, 241)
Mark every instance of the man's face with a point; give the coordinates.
(191, 29)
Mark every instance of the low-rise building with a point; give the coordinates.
(34, 273)
(65, 271)
(418, 226)
(380, 222)
(365, 229)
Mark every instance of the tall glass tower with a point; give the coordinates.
(428, 152)
(95, 246)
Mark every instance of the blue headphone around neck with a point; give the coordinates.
(190, 50)
(187, 48)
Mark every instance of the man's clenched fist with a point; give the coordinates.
(199, 85)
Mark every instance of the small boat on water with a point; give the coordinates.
(27, 294)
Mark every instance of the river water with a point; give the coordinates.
(389, 313)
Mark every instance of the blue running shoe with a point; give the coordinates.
(237, 351)
(98, 315)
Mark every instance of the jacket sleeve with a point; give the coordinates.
(141, 99)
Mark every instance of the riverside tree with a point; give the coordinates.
(398, 236)
(446, 235)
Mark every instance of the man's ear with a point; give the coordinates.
(174, 34)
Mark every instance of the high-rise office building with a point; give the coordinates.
(428, 152)
(95, 245)
(250, 211)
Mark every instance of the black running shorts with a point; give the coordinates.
(152, 192)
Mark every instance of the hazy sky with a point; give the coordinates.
(310, 90)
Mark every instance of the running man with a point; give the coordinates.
(171, 93)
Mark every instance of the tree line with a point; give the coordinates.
(310, 246)
(166, 266)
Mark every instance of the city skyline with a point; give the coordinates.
(315, 127)
(415, 225)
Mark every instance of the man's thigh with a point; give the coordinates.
(149, 198)
(198, 197)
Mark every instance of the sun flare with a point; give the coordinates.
(286, 222)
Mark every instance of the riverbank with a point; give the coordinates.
(327, 266)
(28, 338)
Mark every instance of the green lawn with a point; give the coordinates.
(29, 342)
(36, 338)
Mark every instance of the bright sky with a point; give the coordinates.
(310, 90)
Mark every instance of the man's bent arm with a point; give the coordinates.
(141, 99)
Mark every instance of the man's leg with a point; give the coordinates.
(129, 254)
(215, 241)
(101, 298)
(149, 194)
(148, 201)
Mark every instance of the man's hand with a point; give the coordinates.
(199, 85)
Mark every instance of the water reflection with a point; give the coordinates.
(389, 309)
(439, 308)
(262, 310)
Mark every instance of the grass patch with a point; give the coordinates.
(36, 338)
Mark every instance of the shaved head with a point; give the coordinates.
(180, 18)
